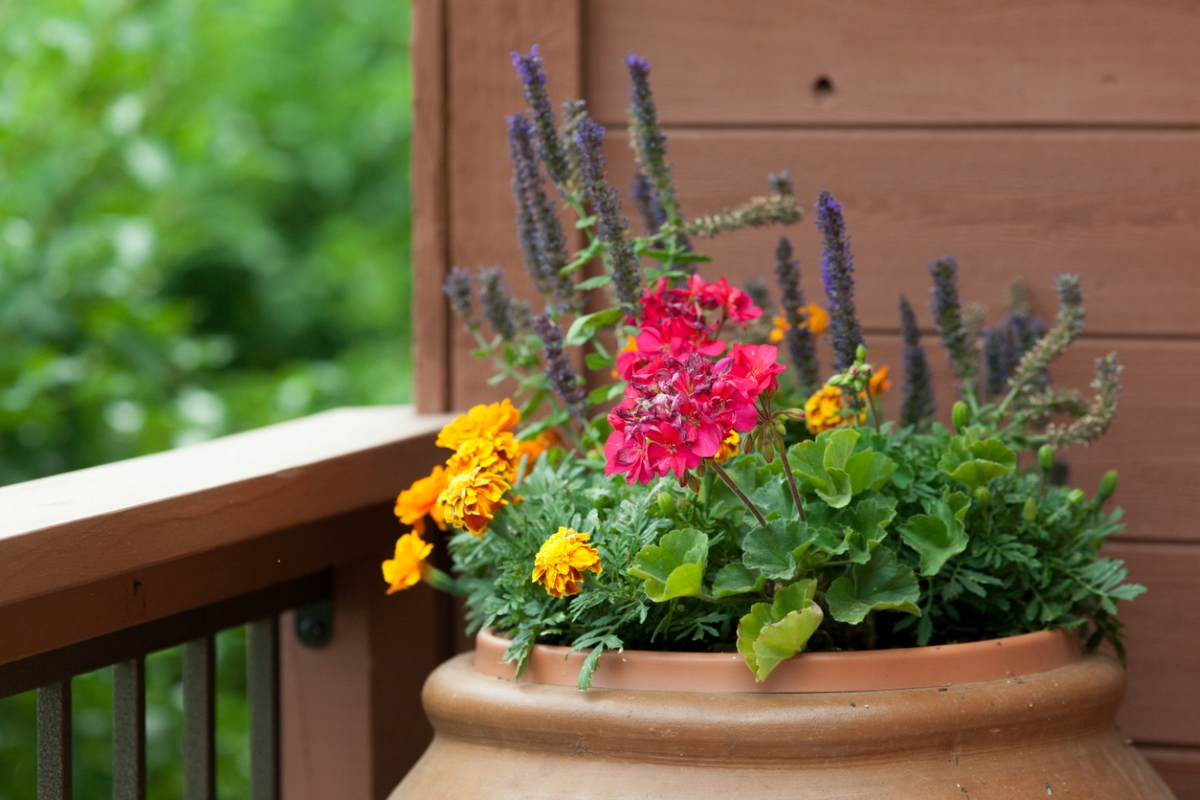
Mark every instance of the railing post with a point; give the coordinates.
(54, 741)
(129, 730)
(262, 689)
(199, 720)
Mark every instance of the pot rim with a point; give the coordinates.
(852, 671)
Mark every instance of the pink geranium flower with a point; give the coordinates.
(756, 367)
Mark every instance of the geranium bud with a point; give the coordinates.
(666, 504)
(1030, 511)
(1074, 496)
(780, 428)
(983, 496)
(961, 415)
(748, 442)
(702, 470)
(768, 450)
(1046, 457)
(692, 482)
(1108, 485)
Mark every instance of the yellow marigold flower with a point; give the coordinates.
(481, 422)
(407, 568)
(564, 557)
(729, 448)
(879, 381)
(421, 499)
(498, 454)
(818, 321)
(471, 499)
(822, 411)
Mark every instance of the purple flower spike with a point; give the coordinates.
(801, 349)
(549, 148)
(917, 407)
(947, 313)
(563, 377)
(610, 226)
(538, 229)
(837, 271)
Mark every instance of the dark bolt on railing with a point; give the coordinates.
(126, 650)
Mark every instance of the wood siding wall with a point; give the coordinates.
(1027, 138)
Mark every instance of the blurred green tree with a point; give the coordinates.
(204, 227)
(204, 220)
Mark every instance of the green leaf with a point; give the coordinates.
(936, 537)
(774, 550)
(734, 579)
(585, 327)
(879, 585)
(770, 634)
(603, 394)
(869, 470)
(807, 460)
(585, 222)
(596, 361)
(593, 283)
(692, 258)
(871, 517)
(589, 668)
(675, 566)
(840, 447)
(979, 463)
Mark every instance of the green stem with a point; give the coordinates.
(791, 479)
(741, 495)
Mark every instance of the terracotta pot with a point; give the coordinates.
(1047, 728)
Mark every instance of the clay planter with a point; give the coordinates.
(1021, 717)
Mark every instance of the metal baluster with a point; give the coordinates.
(129, 730)
(262, 689)
(199, 718)
(54, 741)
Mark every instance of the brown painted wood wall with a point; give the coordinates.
(1027, 138)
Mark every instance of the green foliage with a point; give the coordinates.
(203, 221)
(779, 630)
(674, 567)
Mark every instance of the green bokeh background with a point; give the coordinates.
(204, 228)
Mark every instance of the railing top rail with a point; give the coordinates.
(81, 527)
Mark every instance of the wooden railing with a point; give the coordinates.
(105, 565)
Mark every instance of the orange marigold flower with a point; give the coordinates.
(471, 499)
(822, 412)
(407, 568)
(817, 322)
(879, 381)
(535, 447)
(421, 499)
(481, 422)
(498, 454)
(562, 560)
(729, 448)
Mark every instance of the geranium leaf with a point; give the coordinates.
(807, 460)
(872, 515)
(772, 551)
(935, 537)
(674, 567)
(770, 634)
(869, 470)
(979, 463)
(881, 584)
(734, 579)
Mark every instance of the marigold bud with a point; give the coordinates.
(666, 504)
(1075, 496)
(861, 353)
(961, 416)
(1108, 485)
(1046, 457)
(1029, 513)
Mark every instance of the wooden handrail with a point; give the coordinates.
(89, 552)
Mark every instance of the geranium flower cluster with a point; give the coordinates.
(680, 321)
(680, 410)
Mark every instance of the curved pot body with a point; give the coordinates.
(1046, 734)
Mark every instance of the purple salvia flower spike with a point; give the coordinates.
(458, 288)
(549, 148)
(563, 377)
(947, 314)
(801, 349)
(917, 407)
(538, 229)
(837, 271)
(610, 226)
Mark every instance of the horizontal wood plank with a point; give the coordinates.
(1179, 767)
(1118, 207)
(86, 527)
(1162, 706)
(895, 62)
(1158, 476)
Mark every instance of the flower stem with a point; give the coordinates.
(741, 495)
(874, 410)
(791, 479)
